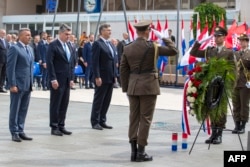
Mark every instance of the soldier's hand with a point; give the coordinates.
(206, 39)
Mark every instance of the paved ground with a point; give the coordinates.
(107, 148)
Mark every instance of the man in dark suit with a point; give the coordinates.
(37, 57)
(87, 57)
(4, 46)
(42, 50)
(104, 74)
(60, 64)
(120, 46)
(20, 79)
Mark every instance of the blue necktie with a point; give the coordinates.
(26, 48)
(110, 48)
(4, 44)
(66, 49)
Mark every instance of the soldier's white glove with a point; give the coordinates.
(206, 39)
(158, 34)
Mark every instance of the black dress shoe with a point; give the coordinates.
(16, 138)
(64, 131)
(56, 132)
(24, 136)
(104, 125)
(97, 127)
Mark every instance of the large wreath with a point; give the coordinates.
(210, 85)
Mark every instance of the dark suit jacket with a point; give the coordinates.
(87, 53)
(42, 50)
(120, 46)
(3, 51)
(103, 61)
(20, 67)
(37, 57)
(59, 68)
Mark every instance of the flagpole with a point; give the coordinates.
(53, 25)
(99, 19)
(177, 41)
(125, 16)
(77, 22)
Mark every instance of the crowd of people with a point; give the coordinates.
(107, 63)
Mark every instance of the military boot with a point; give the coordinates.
(141, 155)
(211, 138)
(133, 144)
(242, 127)
(237, 127)
(218, 137)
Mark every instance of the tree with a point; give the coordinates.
(208, 11)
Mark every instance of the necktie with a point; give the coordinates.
(4, 44)
(26, 48)
(66, 49)
(110, 48)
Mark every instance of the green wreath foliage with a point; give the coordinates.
(200, 79)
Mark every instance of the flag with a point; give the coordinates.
(131, 31)
(152, 35)
(198, 31)
(212, 40)
(161, 63)
(191, 42)
(184, 120)
(183, 48)
(188, 59)
(222, 22)
(165, 31)
(229, 37)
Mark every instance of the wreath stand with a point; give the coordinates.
(218, 82)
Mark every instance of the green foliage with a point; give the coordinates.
(200, 78)
(208, 11)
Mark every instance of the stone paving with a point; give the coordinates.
(108, 148)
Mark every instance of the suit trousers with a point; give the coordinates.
(19, 103)
(101, 102)
(45, 78)
(88, 76)
(140, 118)
(241, 104)
(2, 74)
(59, 100)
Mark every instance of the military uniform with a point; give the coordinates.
(219, 52)
(241, 92)
(139, 78)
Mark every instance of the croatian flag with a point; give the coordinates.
(191, 42)
(184, 120)
(183, 46)
(131, 32)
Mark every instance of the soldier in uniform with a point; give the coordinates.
(241, 91)
(220, 51)
(139, 78)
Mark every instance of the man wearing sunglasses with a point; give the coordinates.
(220, 51)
